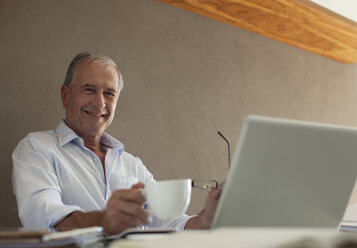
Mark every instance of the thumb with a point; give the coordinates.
(139, 185)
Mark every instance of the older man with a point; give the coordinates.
(77, 175)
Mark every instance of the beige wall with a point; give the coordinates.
(186, 77)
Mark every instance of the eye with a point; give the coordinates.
(109, 94)
(89, 90)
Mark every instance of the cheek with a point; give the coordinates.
(79, 102)
(112, 108)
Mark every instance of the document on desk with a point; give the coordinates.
(138, 231)
(44, 238)
(242, 237)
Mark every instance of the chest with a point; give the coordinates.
(81, 178)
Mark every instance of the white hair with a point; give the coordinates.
(91, 57)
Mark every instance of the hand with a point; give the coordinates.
(124, 210)
(205, 217)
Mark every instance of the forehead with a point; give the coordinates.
(97, 73)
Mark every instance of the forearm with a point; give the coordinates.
(81, 219)
(205, 218)
(198, 222)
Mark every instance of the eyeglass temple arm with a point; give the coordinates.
(229, 148)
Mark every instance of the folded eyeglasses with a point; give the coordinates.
(212, 184)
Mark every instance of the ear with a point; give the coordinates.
(64, 95)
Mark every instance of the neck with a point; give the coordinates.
(92, 143)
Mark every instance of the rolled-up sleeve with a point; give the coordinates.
(178, 223)
(36, 186)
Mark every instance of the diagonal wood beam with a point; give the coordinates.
(300, 23)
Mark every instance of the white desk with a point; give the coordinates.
(238, 237)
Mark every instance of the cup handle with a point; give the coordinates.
(145, 207)
(143, 192)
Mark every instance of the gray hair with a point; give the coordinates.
(91, 57)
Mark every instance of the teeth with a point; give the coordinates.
(95, 114)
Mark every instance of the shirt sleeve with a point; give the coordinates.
(36, 186)
(178, 223)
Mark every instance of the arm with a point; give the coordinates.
(44, 199)
(124, 210)
(36, 187)
(205, 217)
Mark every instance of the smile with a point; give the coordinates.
(94, 114)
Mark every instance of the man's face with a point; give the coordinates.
(91, 100)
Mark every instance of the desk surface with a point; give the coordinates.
(238, 237)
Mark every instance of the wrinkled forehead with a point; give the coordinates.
(95, 71)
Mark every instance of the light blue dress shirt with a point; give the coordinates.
(54, 175)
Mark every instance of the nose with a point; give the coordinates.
(99, 100)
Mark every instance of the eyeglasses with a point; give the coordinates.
(205, 184)
(229, 148)
(212, 184)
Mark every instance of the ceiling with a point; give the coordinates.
(346, 8)
(301, 23)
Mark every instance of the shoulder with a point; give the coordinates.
(45, 137)
(36, 140)
(42, 136)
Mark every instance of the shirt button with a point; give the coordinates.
(95, 160)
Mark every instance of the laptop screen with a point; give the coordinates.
(287, 173)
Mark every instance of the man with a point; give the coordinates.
(77, 175)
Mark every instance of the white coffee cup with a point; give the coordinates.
(168, 199)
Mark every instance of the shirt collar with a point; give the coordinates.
(66, 135)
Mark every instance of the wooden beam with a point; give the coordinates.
(300, 23)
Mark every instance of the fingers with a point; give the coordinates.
(221, 185)
(129, 195)
(206, 216)
(131, 216)
(116, 222)
(139, 185)
(124, 210)
(130, 208)
(215, 194)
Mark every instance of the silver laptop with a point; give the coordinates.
(288, 173)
